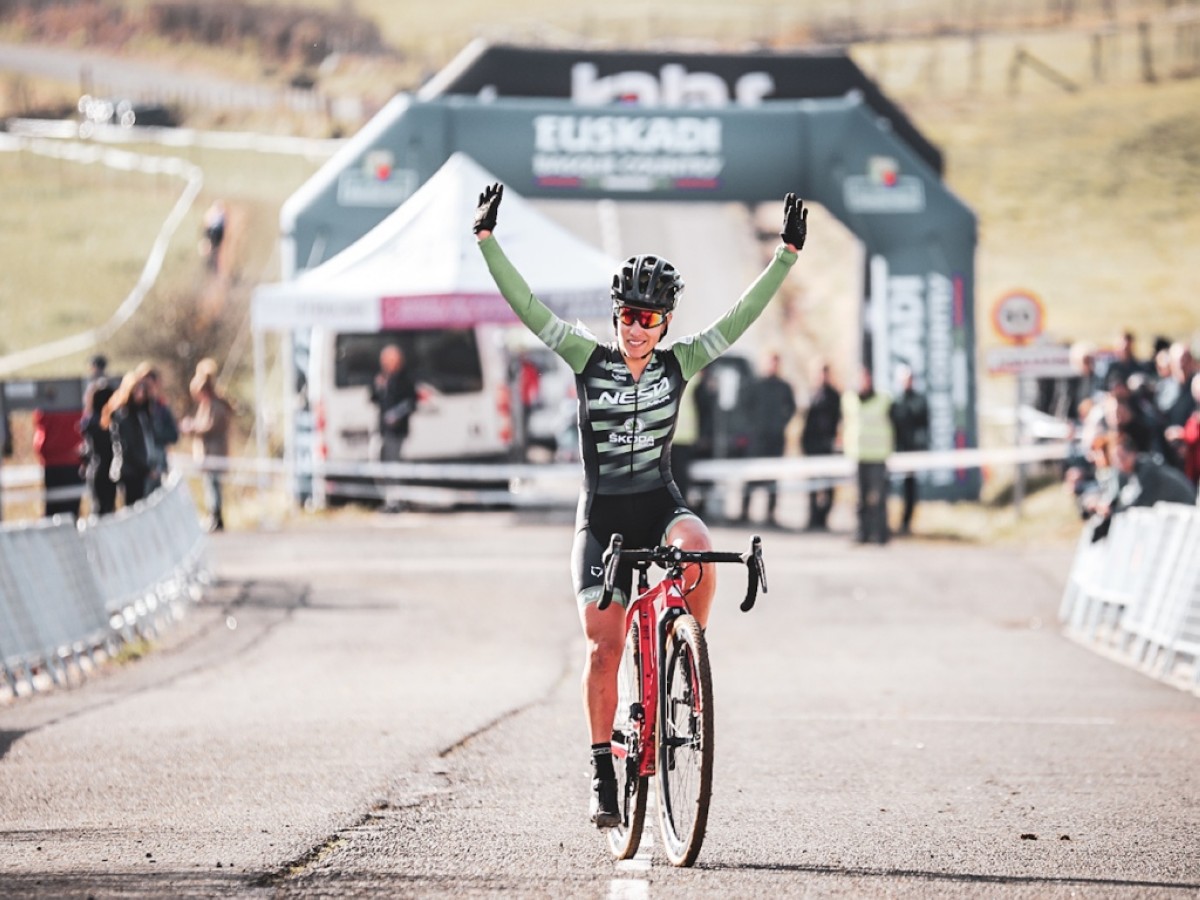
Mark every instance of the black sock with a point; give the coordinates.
(602, 761)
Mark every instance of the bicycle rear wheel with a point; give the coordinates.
(685, 742)
(628, 742)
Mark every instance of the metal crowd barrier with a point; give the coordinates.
(68, 589)
(1135, 594)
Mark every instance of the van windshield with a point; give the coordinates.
(445, 358)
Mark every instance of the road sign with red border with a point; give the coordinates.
(1019, 316)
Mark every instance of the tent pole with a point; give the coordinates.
(287, 364)
(260, 407)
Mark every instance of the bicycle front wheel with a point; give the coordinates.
(685, 742)
(628, 741)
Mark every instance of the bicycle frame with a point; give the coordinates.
(658, 607)
(655, 610)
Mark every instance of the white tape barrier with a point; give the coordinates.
(115, 159)
(70, 130)
(67, 590)
(540, 484)
(1135, 594)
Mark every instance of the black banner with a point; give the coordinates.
(596, 78)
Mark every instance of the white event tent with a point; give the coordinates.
(420, 268)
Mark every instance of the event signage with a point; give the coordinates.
(918, 237)
(1033, 360)
(1019, 316)
(590, 77)
(627, 153)
(883, 189)
(919, 321)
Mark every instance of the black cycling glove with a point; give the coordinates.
(489, 205)
(795, 221)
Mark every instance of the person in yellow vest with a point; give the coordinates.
(867, 437)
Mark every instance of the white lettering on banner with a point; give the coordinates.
(579, 166)
(906, 321)
(675, 86)
(913, 324)
(634, 153)
(940, 371)
(627, 134)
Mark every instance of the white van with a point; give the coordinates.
(464, 410)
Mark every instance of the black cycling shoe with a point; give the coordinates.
(604, 810)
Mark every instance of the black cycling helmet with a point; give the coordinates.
(647, 282)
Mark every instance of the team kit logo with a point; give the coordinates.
(632, 431)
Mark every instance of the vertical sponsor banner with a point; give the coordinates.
(919, 316)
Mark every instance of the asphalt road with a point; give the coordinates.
(389, 706)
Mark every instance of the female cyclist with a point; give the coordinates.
(629, 393)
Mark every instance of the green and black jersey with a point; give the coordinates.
(625, 426)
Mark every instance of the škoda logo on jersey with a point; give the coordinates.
(631, 433)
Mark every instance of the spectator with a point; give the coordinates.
(127, 417)
(1182, 371)
(98, 450)
(214, 234)
(1121, 413)
(701, 396)
(773, 404)
(209, 427)
(819, 438)
(1083, 474)
(1084, 387)
(910, 420)
(867, 438)
(1137, 479)
(164, 430)
(58, 445)
(99, 369)
(396, 396)
(1186, 438)
(685, 442)
(706, 414)
(1126, 362)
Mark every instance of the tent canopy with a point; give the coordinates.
(420, 268)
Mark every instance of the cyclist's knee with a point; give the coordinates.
(603, 653)
(690, 534)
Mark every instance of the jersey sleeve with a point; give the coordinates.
(696, 351)
(573, 345)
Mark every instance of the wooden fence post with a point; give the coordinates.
(1147, 52)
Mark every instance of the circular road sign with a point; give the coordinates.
(1019, 316)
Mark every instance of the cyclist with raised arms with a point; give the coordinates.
(629, 393)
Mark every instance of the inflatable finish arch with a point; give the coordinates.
(919, 239)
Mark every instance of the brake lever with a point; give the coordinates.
(610, 560)
(755, 573)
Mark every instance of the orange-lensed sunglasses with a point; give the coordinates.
(647, 318)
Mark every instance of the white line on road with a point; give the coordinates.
(628, 889)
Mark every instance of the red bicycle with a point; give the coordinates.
(664, 723)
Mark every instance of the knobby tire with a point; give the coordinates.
(624, 839)
(685, 742)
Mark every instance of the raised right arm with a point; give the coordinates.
(572, 344)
